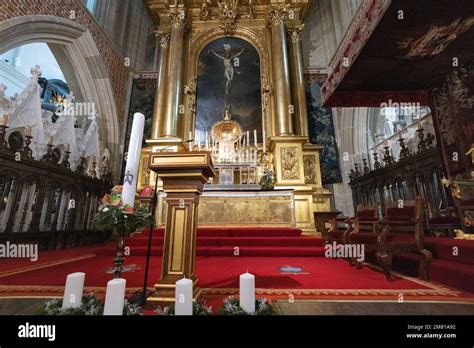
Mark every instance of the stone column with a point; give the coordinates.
(169, 124)
(159, 108)
(281, 75)
(297, 81)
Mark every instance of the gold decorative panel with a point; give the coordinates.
(309, 162)
(290, 169)
(274, 208)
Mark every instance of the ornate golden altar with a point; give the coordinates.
(274, 29)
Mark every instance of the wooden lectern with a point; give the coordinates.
(184, 175)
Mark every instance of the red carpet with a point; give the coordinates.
(224, 241)
(263, 252)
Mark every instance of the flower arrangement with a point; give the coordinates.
(199, 308)
(90, 305)
(113, 213)
(267, 181)
(231, 307)
(122, 219)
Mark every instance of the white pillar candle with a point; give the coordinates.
(73, 290)
(255, 137)
(133, 159)
(264, 141)
(183, 304)
(207, 141)
(248, 138)
(247, 292)
(115, 297)
(190, 136)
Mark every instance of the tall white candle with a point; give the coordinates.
(264, 141)
(255, 137)
(190, 136)
(73, 290)
(115, 297)
(207, 141)
(133, 159)
(184, 297)
(247, 292)
(248, 138)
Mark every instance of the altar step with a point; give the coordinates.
(231, 242)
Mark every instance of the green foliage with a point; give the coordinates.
(231, 306)
(267, 182)
(90, 305)
(199, 308)
(113, 213)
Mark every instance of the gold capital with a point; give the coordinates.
(163, 38)
(279, 15)
(178, 18)
(295, 33)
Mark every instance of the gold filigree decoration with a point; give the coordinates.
(205, 12)
(295, 33)
(228, 14)
(309, 165)
(279, 15)
(162, 37)
(190, 91)
(289, 164)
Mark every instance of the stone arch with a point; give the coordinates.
(82, 66)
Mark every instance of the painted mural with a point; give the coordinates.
(229, 78)
(321, 132)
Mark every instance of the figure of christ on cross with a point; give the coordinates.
(228, 57)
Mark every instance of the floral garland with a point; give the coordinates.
(112, 212)
(199, 308)
(90, 305)
(231, 306)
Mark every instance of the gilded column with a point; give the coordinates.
(297, 82)
(169, 124)
(281, 75)
(159, 108)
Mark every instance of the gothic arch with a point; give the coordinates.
(82, 66)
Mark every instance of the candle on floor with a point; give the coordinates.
(184, 297)
(247, 292)
(73, 290)
(133, 159)
(115, 297)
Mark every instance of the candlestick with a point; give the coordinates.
(247, 292)
(5, 120)
(73, 290)
(184, 297)
(115, 297)
(255, 137)
(28, 131)
(133, 160)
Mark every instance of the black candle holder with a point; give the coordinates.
(65, 163)
(93, 171)
(3, 138)
(422, 142)
(377, 164)
(404, 152)
(387, 158)
(357, 171)
(26, 150)
(48, 156)
(366, 167)
(81, 168)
